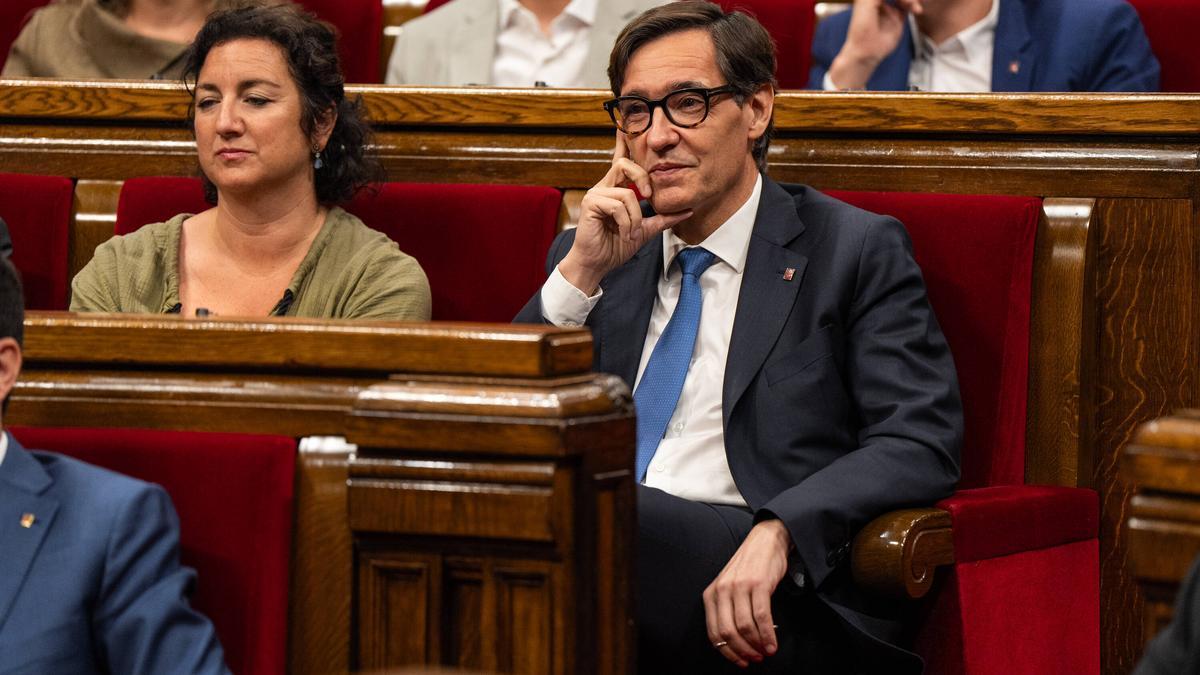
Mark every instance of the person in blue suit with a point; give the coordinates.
(90, 579)
(984, 45)
(790, 379)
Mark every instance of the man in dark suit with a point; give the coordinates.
(984, 45)
(816, 393)
(90, 580)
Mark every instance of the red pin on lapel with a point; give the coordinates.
(789, 273)
(1014, 67)
(27, 520)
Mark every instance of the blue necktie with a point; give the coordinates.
(658, 391)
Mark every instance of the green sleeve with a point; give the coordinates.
(94, 288)
(392, 287)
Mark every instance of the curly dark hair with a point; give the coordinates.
(310, 48)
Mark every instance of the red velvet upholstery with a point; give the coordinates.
(791, 24)
(976, 253)
(37, 210)
(156, 199)
(233, 493)
(1023, 594)
(13, 14)
(482, 246)
(1171, 26)
(360, 32)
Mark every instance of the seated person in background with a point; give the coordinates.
(984, 45)
(817, 393)
(90, 580)
(1176, 649)
(276, 153)
(93, 39)
(511, 43)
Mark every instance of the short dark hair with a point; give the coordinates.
(310, 49)
(745, 51)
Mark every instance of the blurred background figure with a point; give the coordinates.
(127, 39)
(984, 45)
(512, 43)
(279, 146)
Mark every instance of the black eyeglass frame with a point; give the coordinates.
(611, 106)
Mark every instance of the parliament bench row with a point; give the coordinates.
(1115, 263)
(418, 540)
(368, 29)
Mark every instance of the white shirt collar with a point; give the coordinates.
(976, 40)
(582, 10)
(3, 446)
(729, 243)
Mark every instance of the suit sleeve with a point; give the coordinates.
(1121, 60)
(901, 379)
(142, 621)
(827, 42)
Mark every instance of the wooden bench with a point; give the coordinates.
(484, 519)
(1133, 159)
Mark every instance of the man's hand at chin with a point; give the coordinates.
(737, 604)
(611, 227)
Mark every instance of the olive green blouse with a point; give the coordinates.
(350, 272)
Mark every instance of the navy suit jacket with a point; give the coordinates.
(840, 399)
(1057, 45)
(94, 585)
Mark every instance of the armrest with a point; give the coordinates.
(896, 554)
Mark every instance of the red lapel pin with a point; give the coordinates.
(789, 273)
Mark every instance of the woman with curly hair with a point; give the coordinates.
(279, 145)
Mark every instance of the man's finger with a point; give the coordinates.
(760, 600)
(743, 615)
(621, 150)
(727, 629)
(635, 174)
(663, 221)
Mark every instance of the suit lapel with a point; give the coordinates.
(767, 295)
(629, 294)
(22, 484)
(474, 44)
(1015, 54)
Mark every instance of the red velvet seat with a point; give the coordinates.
(37, 210)
(1023, 594)
(360, 31)
(791, 24)
(13, 14)
(233, 494)
(483, 247)
(1171, 26)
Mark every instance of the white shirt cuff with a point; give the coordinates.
(564, 305)
(827, 83)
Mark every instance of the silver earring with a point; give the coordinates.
(317, 162)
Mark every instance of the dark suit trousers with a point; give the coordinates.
(682, 546)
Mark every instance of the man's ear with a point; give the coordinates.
(10, 365)
(760, 107)
(323, 127)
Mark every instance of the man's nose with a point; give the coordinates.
(662, 132)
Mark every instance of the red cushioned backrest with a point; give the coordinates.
(976, 254)
(1171, 26)
(360, 31)
(233, 494)
(38, 212)
(482, 246)
(13, 15)
(791, 24)
(156, 199)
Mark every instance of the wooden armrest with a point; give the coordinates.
(896, 554)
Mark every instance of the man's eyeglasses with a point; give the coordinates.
(683, 107)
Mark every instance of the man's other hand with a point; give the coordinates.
(876, 27)
(737, 604)
(611, 227)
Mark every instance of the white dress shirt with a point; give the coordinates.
(525, 55)
(3, 446)
(962, 63)
(690, 462)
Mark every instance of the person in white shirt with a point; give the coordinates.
(984, 45)
(511, 43)
(790, 380)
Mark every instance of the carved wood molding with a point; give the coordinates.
(897, 554)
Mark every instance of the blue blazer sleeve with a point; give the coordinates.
(827, 42)
(1121, 59)
(142, 621)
